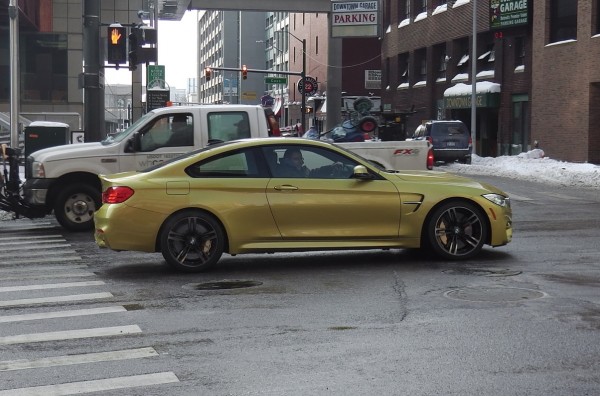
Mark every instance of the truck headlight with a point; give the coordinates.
(37, 170)
(498, 199)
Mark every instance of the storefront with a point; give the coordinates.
(457, 106)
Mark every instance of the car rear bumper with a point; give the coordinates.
(451, 154)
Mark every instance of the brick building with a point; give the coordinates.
(536, 77)
(565, 113)
(427, 51)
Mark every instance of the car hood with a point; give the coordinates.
(444, 178)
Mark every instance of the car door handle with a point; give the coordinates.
(285, 187)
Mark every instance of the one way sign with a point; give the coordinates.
(77, 137)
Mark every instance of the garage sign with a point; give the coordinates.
(355, 18)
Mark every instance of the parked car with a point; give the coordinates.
(239, 197)
(451, 140)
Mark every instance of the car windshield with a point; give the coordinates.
(186, 155)
(119, 136)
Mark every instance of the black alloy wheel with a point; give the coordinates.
(457, 230)
(192, 241)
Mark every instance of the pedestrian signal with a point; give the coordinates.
(117, 44)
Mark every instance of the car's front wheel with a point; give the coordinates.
(192, 241)
(456, 230)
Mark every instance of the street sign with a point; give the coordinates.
(309, 87)
(156, 98)
(156, 72)
(276, 80)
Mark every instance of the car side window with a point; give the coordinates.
(307, 162)
(168, 131)
(229, 125)
(237, 164)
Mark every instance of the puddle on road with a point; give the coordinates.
(223, 285)
(494, 294)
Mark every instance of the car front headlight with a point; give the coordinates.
(498, 199)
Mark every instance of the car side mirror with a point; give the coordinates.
(361, 172)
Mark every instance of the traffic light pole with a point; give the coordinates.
(93, 77)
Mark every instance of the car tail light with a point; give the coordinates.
(430, 159)
(470, 142)
(114, 195)
(429, 139)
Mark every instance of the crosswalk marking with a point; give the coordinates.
(106, 384)
(41, 253)
(62, 314)
(49, 276)
(46, 300)
(35, 269)
(34, 247)
(40, 260)
(70, 334)
(49, 286)
(19, 242)
(31, 237)
(23, 364)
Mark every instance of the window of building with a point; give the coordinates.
(403, 71)
(563, 20)
(423, 5)
(441, 58)
(485, 61)
(317, 45)
(44, 69)
(519, 51)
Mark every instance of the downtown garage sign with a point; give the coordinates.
(508, 13)
(355, 18)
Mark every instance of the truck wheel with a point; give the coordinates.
(75, 206)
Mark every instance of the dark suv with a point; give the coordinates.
(451, 140)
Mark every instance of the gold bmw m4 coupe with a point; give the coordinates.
(293, 194)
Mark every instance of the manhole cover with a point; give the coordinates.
(223, 285)
(494, 294)
(483, 272)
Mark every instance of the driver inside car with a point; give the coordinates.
(292, 165)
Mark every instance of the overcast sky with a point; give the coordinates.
(177, 51)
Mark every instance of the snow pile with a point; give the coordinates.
(533, 166)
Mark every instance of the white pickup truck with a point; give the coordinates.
(64, 179)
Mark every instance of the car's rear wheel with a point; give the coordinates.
(456, 230)
(192, 241)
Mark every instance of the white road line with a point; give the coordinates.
(31, 237)
(19, 242)
(24, 364)
(75, 388)
(46, 300)
(70, 334)
(35, 268)
(41, 253)
(34, 247)
(40, 260)
(62, 314)
(14, 228)
(50, 286)
(519, 197)
(48, 276)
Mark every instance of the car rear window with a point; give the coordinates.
(454, 129)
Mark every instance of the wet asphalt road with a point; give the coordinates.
(523, 319)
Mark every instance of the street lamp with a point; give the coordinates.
(303, 79)
(474, 81)
(473, 76)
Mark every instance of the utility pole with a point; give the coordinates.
(13, 14)
(93, 74)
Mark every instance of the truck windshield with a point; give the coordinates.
(119, 136)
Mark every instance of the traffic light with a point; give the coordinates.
(244, 72)
(133, 50)
(116, 44)
(139, 37)
(207, 73)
